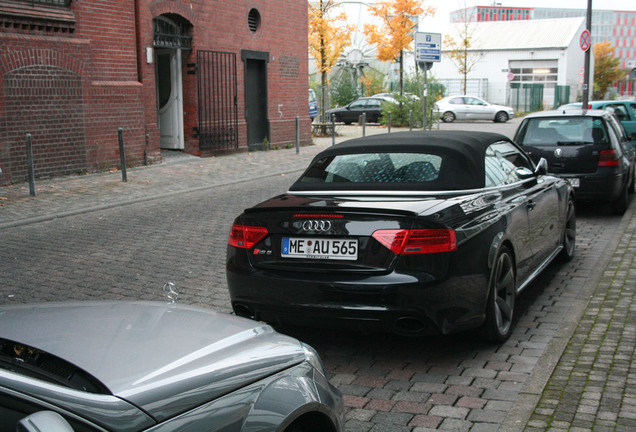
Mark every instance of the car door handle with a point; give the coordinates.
(531, 204)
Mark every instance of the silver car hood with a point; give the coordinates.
(164, 358)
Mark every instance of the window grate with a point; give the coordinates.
(170, 34)
(253, 20)
(33, 3)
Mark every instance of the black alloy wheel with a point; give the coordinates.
(501, 299)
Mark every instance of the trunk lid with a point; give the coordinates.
(336, 235)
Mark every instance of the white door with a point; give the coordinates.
(169, 98)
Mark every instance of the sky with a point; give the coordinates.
(437, 23)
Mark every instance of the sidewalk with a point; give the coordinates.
(179, 173)
(586, 380)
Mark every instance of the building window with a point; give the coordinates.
(172, 32)
(47, 2)
(37, 16)
(254, 20)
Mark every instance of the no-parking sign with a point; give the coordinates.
(586, 40)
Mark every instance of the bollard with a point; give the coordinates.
(29, 149)
(389, 121)
(297, 134)
(122, 155)
(410, 120)
(333, 129)
(363, 120)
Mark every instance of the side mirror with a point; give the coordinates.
(524, 173)
(44, 421)
(542, 167)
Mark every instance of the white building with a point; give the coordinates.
(515, 60)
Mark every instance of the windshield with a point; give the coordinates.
(554, 131)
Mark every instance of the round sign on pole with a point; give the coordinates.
(586, 40)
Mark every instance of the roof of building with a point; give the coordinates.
(522, 34)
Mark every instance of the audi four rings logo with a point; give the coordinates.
(316, 225)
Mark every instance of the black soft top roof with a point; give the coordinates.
(463, 154)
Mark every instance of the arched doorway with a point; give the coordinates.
(171, 36)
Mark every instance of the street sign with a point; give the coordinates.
(586, 40)
(428, 47)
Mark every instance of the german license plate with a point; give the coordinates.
(318, 248)
(574, 182)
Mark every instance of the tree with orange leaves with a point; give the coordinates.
(399, 20)
(606, 70)
(328, 37)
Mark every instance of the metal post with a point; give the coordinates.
(364, 124)
(29, 149)
(297, 134)
(333, 129)
(586, 75)
(389, 121)
(410, 120)
(424, 124)
(122, 155)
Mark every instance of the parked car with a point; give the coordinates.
(139, 366)
(588, 148)
(392, 96)
(371, 106)
(313, 105)
(625, 111)
(410, 232)
(471, 108)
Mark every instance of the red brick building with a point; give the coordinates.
(204, 76)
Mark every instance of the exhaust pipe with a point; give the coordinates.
(243, 310)
(410, 326)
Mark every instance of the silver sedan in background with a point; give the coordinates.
(471, 108)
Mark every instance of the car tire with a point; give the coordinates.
(501, 117)
(632, 187)
(569, 233)
(501, 299)
(619, 206)
(448, 117)
(348, 122)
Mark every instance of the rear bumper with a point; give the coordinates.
(596, 188)
(395, 303)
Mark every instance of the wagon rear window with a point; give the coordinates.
(374, 168)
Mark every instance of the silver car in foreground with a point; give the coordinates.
(141, 366)
(471, 108)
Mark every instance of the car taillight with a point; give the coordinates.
(245, 236)
(608, 158)
(417, 241)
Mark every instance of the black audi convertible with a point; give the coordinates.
(412, 233)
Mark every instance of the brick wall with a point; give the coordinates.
(71, 91)
(74, 84)
(221, 26)
(45, 101)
